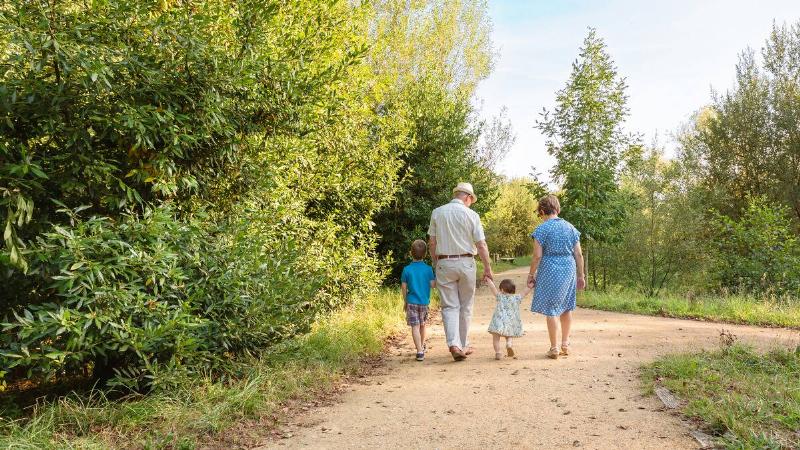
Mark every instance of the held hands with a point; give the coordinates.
(531, 281)
(488, 275)
(581, 283)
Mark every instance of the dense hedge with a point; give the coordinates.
(182, 181)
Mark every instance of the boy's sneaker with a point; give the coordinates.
(420, 356)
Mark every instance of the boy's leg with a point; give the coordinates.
(415, 334)
(423, 333)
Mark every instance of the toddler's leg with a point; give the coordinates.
(415, 334)
(509, 349)
(496, 345)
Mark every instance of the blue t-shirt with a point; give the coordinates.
(418, 276)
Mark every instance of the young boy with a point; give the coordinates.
(415, 285)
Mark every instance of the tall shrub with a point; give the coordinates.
(182, 182)
(758, 253)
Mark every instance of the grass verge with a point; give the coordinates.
(502, 266)
(732, 309)
(745, 399)
(204, 409)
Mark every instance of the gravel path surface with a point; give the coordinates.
(591, 399)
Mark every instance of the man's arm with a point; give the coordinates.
(432, 250)
(483, 251)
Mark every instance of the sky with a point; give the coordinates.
(671, 53)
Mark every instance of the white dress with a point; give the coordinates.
(506, 320)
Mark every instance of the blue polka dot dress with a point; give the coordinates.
(556, 277)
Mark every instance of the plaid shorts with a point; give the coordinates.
(416, 314)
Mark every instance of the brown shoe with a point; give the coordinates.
(457, 353)
(510, 353)
(552, 353)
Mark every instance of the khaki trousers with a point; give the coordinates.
(455, 280)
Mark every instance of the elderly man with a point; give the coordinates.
(456, 235)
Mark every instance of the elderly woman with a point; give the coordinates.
(556, 272)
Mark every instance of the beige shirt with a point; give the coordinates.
(456, 228)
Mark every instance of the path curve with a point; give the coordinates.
(592, 399)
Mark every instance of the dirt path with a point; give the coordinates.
(591, 399)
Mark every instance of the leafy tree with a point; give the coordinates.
(661, 245)
(183, 182)
(759, 253)
(584, 134)
(747, 143)
(442, 153)
(433, 53)
(511, 219)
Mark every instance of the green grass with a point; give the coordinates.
(502, 266)
(203, 410)
(732, 309)
(745, 399)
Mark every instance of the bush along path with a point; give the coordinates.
(592, 399)
(206, 413)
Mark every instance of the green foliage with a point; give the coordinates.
(509, 223)
(760, 252)
(440, 153)
(183, 183)
(745, 398)
(191, 414)
(584, 134)
(661, 245)
(748, 141)
(431, 57)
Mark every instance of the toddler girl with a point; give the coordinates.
(506, 321)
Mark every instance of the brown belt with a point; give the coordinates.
(463, 255)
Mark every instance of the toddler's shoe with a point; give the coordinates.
(421, 356)
(498, 356)
(510, 353)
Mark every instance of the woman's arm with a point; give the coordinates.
(537, 257)
(577, 253)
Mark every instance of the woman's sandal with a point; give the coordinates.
(564, 350)
(552, 353)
